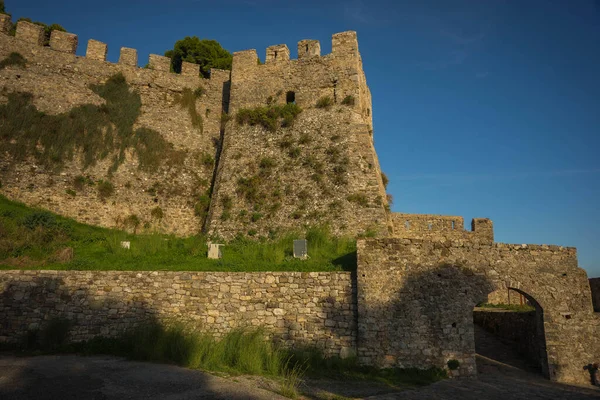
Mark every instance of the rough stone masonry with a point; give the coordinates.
(411, 301)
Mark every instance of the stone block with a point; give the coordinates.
(63, 41)
(29, 32)
(96, 50)
(308, 48)
(191, 69)
(159, 63)
(277, 53)
(214, 251)
(5, 23)
(128, 57)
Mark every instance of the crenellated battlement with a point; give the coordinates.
(349, 166)
(337, 75)
(65, 42)
(309, 48)
(343, 44)
(277, 53)
(441, 227)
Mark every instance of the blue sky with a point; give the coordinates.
(481, 108)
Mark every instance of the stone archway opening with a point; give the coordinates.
(509, 332)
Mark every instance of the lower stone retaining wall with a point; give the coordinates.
(519, 328)
(316, 308)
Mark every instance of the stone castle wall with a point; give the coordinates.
(422, 294)
(327, 172)
(326, 168)
(441, 227)
(59, 81)
(296, 308)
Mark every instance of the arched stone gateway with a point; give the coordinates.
(416, 299)
(511, 336)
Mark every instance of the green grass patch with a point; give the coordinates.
(348, 100)
(269, 117)
(359, 199)
(324, 102)
(96, 131)
(30, 238)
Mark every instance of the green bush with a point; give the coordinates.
(304, 139)
(256, 216)
(385, 180)
(249, 187)
(157, 213)
(105, 189)
(132, 221)
(359, 199)
(294, 152)
(80, 181)
(453, 364)
(15, 59)
(206, 53)
(270, 117)
(348, 100)
(201, 206)
(324, 102)
(198, 92)
(207, 160)
(267, 163)
(41, 219)
(71, 192)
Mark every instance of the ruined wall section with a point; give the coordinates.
(326, 169)
(59, 81)
(295, 308)
(441, 227)
(416, 300)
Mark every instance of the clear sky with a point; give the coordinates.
(482, 108)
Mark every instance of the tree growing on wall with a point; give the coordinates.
(206, 53)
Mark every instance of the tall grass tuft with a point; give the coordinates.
(238, 352)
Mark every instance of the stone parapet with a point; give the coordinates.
(29, 32)
(295, 308)
(128, 57)
(63, 41)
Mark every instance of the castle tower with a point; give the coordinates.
(323, 168)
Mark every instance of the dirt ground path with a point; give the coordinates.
(68, 377)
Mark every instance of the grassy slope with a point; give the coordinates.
(29, 238)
